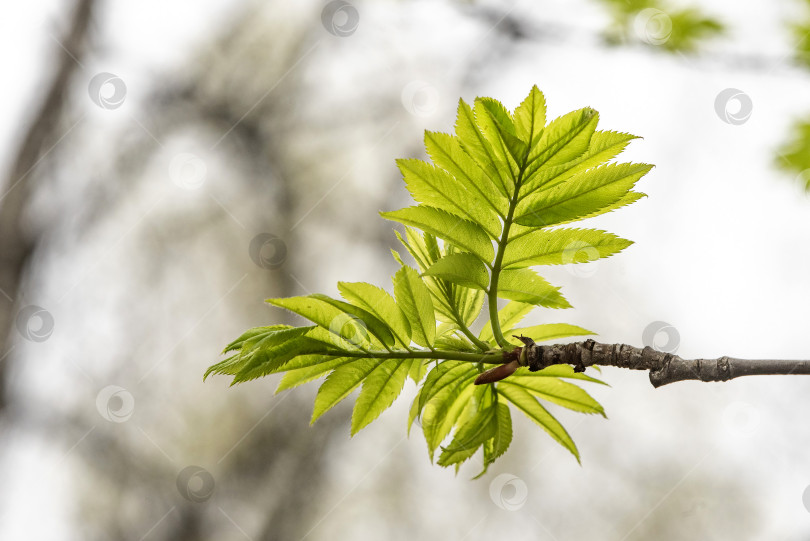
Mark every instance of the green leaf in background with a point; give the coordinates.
(661, 25)
(794, 155)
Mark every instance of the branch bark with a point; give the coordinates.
(664, 367)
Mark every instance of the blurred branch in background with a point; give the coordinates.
(265, 472)
(38, 143)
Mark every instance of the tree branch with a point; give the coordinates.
(16, 243)
(664, 367)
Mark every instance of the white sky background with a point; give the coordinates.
(722, 253)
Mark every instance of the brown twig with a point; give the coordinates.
(664, 367)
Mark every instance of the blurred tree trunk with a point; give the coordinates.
(16, 242)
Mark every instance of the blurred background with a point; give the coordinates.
(166, 166)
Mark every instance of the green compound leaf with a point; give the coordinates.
(435, 187)
(463, 269)
(481, 427)
(499, 443)
(509, 316)
(442, 399)
(380, 388)
(495, 123)
(524, 285)
(563, 140)
(341, 382)
(529, 405)
(445, 150)
(379, 303)
(413, 297)
(374, 325)
(530, 118)
(267, 358)
(327, 316)
(462, 233)
(320, 367)
(559, 392)
(475, 144)
(255, 334)
(550, 331)
(562, 247)
(489, 202)
(585, 194)
(604, 146)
